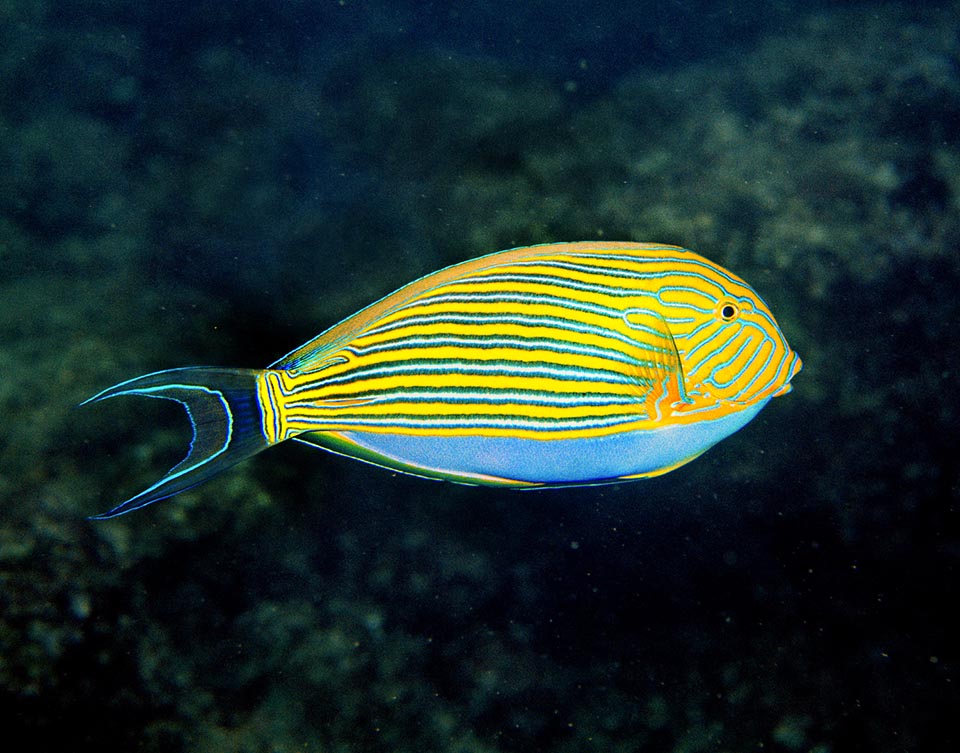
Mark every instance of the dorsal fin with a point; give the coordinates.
(313, 355)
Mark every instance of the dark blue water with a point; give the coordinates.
(214, 183)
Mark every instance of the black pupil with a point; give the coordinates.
(728, 312)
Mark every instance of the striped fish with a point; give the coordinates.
(550, 365)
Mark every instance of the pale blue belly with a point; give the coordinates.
(560, 461)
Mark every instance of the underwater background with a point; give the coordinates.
(215, 183)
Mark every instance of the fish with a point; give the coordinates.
(550, 365)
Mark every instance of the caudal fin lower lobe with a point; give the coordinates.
(224, 414)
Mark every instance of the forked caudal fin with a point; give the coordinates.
(224, 414)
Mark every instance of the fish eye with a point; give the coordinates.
(728, 311)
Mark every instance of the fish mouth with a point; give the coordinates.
(794, 370)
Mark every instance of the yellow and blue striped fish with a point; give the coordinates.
(550, 365)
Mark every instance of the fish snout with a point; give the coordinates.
(794, 369)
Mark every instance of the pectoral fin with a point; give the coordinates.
(659, 370)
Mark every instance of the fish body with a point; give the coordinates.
(550, 365)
